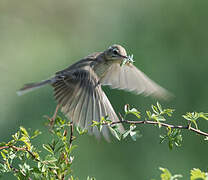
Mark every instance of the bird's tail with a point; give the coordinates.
(33, 86)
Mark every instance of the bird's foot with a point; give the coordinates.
(53, 118)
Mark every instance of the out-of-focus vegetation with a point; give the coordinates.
(169, 40)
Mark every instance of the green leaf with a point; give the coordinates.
(160, 118)
(12, 156)
(135, 112)
(59, 149)
(50, 159)
(155, 109)
(203, 115)
(83, 131)
(169, 112)
(125, 134)
(192, 117)
(59, 121)
(128, 60)
(198, 174)
(149, 114)
(166, 175)
(48, 148)
(24, 131)
(2, 144)
(173, 136)
(16, 136)
(162, 138)
(126, 108)
(36, 170)
(115, 131)
(206, 138)
(3, 156)
(132, 127)
(159, 107)
(170, 144)
(43, 169)
(195, 124)
(135, 135)
(35, 134)
(95, 123)
(72, 148)
(4, 168)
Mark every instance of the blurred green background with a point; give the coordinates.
(169, 40)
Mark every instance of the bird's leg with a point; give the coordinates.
(98, 83)
(53, 118)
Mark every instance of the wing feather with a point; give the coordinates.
(83, 100)
(129, 78)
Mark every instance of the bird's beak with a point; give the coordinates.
(124, 57)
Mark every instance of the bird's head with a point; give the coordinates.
(115, 52)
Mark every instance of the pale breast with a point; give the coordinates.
(101, 68)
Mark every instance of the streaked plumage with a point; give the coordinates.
(78, 87)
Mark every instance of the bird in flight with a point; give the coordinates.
(78, 91)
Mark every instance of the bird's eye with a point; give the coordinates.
(115, 51)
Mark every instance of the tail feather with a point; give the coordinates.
(32, 86)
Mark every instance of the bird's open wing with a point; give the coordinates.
(129, 78)
(83, 100)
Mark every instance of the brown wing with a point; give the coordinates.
(129, 78)
(83, 100)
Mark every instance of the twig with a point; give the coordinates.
(20, 149)
(71, 134)
(52, 120)
(162, 124)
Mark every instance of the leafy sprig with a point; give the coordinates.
(156, 116)
(128, 60)
(33, 163)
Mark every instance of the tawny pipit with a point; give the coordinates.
(78, 87)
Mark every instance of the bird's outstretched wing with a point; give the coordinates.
(83, 100)
(129, 78)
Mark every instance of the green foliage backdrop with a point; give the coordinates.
(169, 40)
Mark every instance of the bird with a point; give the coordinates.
(78, 88)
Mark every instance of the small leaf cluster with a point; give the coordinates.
(194, 116)
(113, 128)
(195, 174)
(131, 131)
(158, 114)
(128, 60)
(173, 136)
(25, 161)
(19, 148)
(166, 175)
